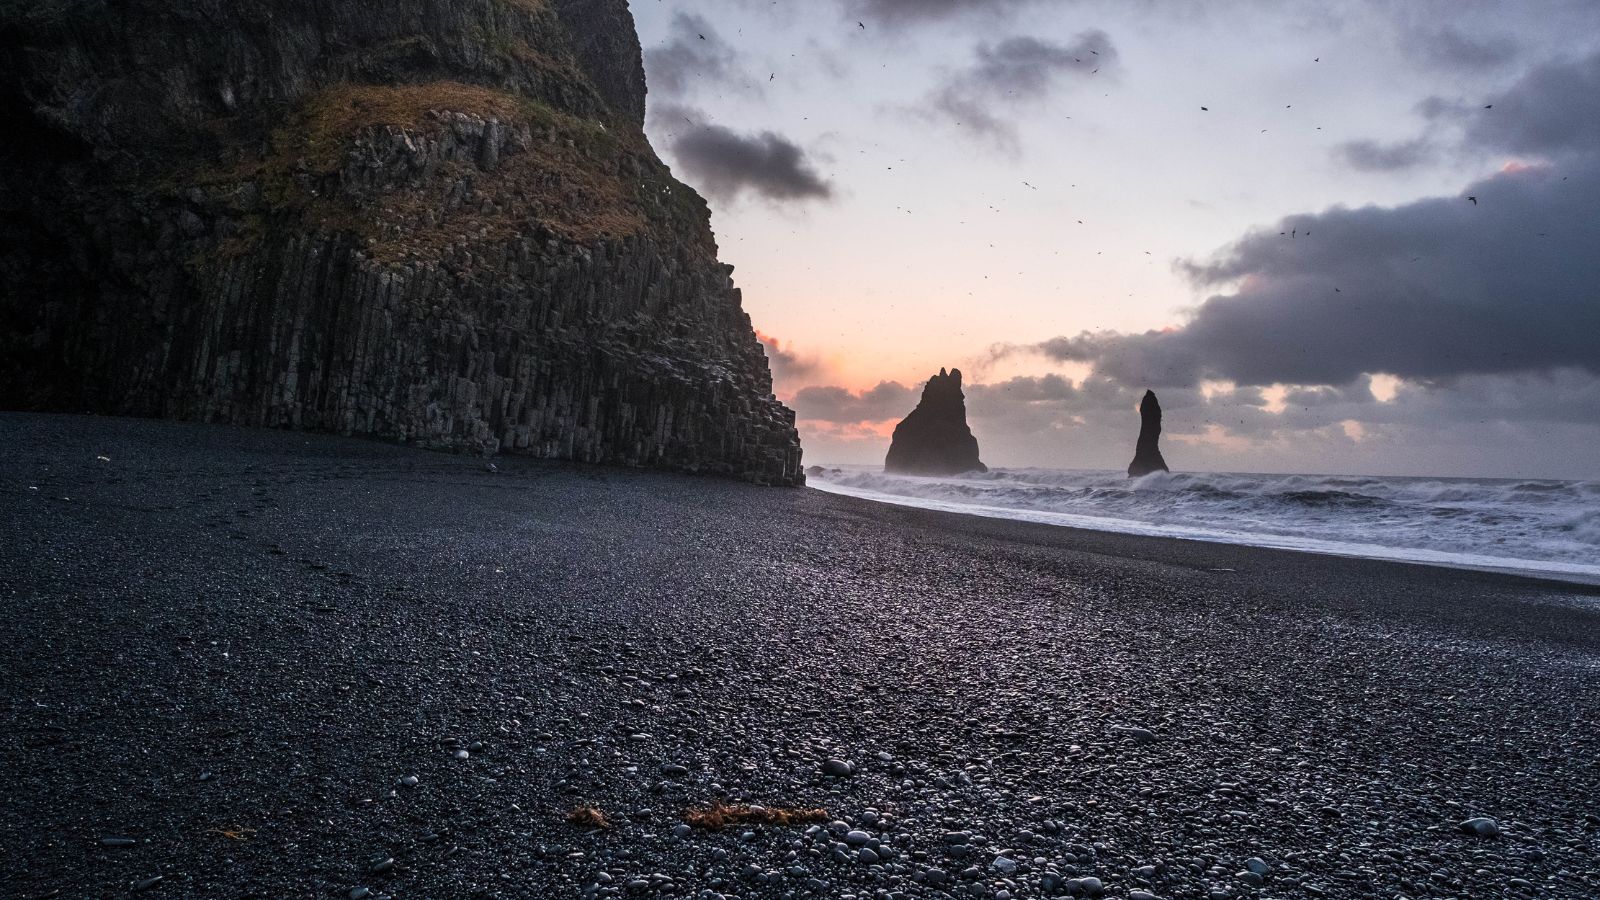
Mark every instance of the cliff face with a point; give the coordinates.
(1147, 454)
(437, 221)
(934, 439)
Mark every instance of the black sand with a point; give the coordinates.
(307, 620)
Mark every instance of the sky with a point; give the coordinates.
(1357, 237)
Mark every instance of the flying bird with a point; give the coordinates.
(1205, 109)
(863, 26)
(1474, 200)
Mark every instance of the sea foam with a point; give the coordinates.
(1543, 527)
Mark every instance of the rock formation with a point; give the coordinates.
(934, 439)
(1147, 455)
(436, 221)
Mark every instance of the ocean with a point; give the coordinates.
(1541, 527)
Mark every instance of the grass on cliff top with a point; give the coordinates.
(324, 127)
(577, 179)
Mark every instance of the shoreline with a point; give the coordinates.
(290, 664)
(1540, 570)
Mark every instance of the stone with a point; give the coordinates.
(1257, 865)
(867, 855)
(857, 838)
(1141, 735)
(117, 842)
(837, 768)
(460, 273)
(1147, 453)
(1481, 826)
(934, 438)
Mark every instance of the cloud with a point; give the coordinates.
(841, 406)
(1012, 73)
(1449, 48)
(1432, 290)
(1371, 156)
(694, 55)
(788, 365)
(1553, 111)
(725, 164)
(907, 11)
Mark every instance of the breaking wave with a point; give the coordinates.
(1540, 527)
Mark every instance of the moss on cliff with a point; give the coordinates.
(569, 176)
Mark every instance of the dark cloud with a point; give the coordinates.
(1554, 111)
(726, 164)
(1372, 156)
(1432, 290)
(904, 11)
(1451, 48)
(830, 403)
(788, 365)
(1012, 73)
(695, 54)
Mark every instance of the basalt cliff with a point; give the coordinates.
(436, 221)
(934, 439)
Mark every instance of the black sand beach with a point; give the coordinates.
(231, 646)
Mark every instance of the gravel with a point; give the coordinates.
(325, 623)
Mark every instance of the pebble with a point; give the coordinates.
(147, 883)
(359, 893)
(117, 842)
(462, 754)
(867, 855)
(1251, 878)
(1142, 735)
(410, 781)
(672, 770)
(1004, 865)
(1142, 895)
(1482, 826)
(1089, 885)
(837, 768)
(681, 830)
(1257, 865)
(857, 837)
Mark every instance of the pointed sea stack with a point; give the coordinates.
(1147, 456)
(935, 439)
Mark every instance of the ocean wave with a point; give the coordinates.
(1547, 526)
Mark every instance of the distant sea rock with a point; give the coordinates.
(934, 439)
(1147, 456)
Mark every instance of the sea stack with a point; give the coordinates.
(934, 439)
(1147, 456)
